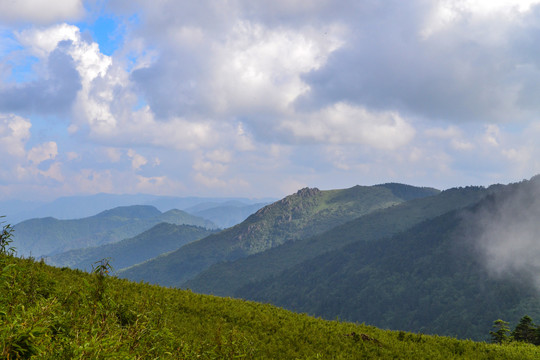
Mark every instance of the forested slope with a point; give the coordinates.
(303, 214)
(160, 239)
(437, 277)
(226, 278)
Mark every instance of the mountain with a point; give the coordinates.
(225, 278)
(49, 236)
(450, 275)
(53, 313)
(75, 207)
(227, 214)
(303, 214)
(160, 239)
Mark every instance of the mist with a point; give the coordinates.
(506, 231)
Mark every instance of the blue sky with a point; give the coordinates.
(259, 99)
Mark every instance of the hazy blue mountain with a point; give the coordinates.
(225, 278)
(226, 215)
(303, 214)
(48, 236)
(160, 239)
(75, 207)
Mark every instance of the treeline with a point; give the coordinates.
(525, 331)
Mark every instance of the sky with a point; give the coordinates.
(262, 98)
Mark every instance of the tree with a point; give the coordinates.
(526, 331)
(501, 331)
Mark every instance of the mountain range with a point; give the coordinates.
(430, 265)
(225, 278)
(162, 238)
(308, 212)
(49, 236)
(392, 255)
(76, 207)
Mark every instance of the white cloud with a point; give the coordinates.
(113, 154)
(244, 141)
(448, 12)
(42, 152)
(53, 172)
(492, 135)
(42, 41)
(72, 155)
(92, 103)
(14, 133)
(306, 91)
(259, 68)
(40, 11)
(137, 160)
(90, 181)
(347, 124)
(452, 133)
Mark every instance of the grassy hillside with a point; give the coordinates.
(226, 278)
(160, 239)
(306, 213)
(51, 313)
(431, 278)
(47, 236)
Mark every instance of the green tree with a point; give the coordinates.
(525, 331)
(501, 332)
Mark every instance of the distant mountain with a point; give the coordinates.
(76, 207)
(229, 214)
(450, 275)
(226, 278)
(48, 236)
(304, 214)
(160, 239)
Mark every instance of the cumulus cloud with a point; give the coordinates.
(309, 90)
(260, 69)
(14, 133)
(54, 93)
(20, 166)
(42, 152)
(40, 11)
(346, 124)
(456, 74)
(137, 160)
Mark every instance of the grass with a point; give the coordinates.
(52, 313)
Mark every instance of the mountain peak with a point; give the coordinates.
(306, 192)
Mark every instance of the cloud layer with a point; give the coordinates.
(228, 97)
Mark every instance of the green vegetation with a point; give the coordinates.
(48, 236)
(52, 313)
(160, 239)
(430, 278)
(226, 278)
(525, 331)
(301, 215)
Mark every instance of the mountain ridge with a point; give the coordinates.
(430, 278)
(48, 236)
(161, 238)
(302, 214)
(224, 278)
